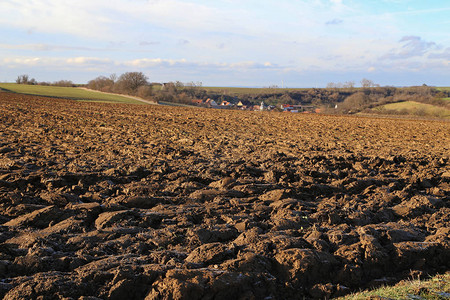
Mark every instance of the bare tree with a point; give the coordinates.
(179, 85)
(130, 82)
(25, 79)
(349, 84)
(64, 83)
(354, 103)
(144, 91)
(366, 83)
(331, 85)
(113, 77)
(101, 83)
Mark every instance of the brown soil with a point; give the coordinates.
(150, 202)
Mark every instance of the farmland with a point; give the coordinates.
(124, 201)
(67, 92)
(237, 91)
(417, 108)
(444, 88)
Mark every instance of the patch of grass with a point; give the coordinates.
(240, 91)
(417, 108)
(176, 104)
(443, 88)
(437, 287)
(66, 92)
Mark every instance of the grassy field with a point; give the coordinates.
(443, 88)
(240, 90)
(437, 287)
(417, 108)
(176, 104)
(66, 92)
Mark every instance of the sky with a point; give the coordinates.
(255, 43)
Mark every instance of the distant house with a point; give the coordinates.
(197, 101)
(298, 108)
(211, 103)
(243, 106)
(262, 106)
(244, 103)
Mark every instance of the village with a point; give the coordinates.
(247, 105)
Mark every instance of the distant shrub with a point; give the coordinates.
(64, 83)
(144, 91)
(354, 103)
(25, 79)
(129, 83)
(101, 83)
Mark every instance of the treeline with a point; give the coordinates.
(129, 83)
(25, 79)
(335, 98)
(178, 92)
(137, 84)
(339, 98)
(312, 96)
(366, 99)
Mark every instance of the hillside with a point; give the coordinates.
(67, 92)
(368, 100)
(411, 101)
(415, 108)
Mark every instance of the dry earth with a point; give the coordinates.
(149, 202)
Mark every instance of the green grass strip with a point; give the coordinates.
(66, 92)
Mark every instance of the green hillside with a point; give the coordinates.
(66, 92)
(443, 88)
(416, 108)
(242, 90)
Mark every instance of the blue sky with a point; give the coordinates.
(305, 43)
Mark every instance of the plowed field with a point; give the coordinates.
(151, 202)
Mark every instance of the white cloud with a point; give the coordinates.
(421, 11)
(29, 61)
(53, 62)
(223, 35)
(445, 54)
(413, 46)
(44, 47)
(183, 63)
(86, 61)
(80, 18)
(154, 62)
(142, 63)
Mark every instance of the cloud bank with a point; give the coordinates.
(226, 40)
